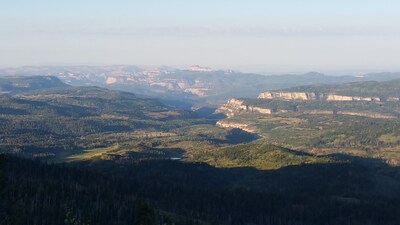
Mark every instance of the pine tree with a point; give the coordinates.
(145, 214)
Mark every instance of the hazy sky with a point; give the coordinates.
(278, 35)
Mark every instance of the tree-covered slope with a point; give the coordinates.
(259, 154)
(59, 119)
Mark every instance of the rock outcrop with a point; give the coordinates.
(333, 97)
(288, 95)
(260, 110)
(393, 99)
(235, 106)
(242, 126)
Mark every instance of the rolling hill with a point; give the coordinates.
(28, 83)
(54, 121)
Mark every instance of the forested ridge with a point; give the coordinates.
(56, 121)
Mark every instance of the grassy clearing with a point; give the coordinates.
(390, 138)
(92, 153)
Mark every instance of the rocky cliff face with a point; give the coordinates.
(235, 106)
(313, 96)
(288, 95)
(333, 97)
(393, 99)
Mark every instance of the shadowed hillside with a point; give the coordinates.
(185, 193)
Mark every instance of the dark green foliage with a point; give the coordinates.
(2, 182)
(37, 193)
(70, 219)
(183, 193)
(145, 214)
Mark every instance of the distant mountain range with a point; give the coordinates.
(196, 86)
